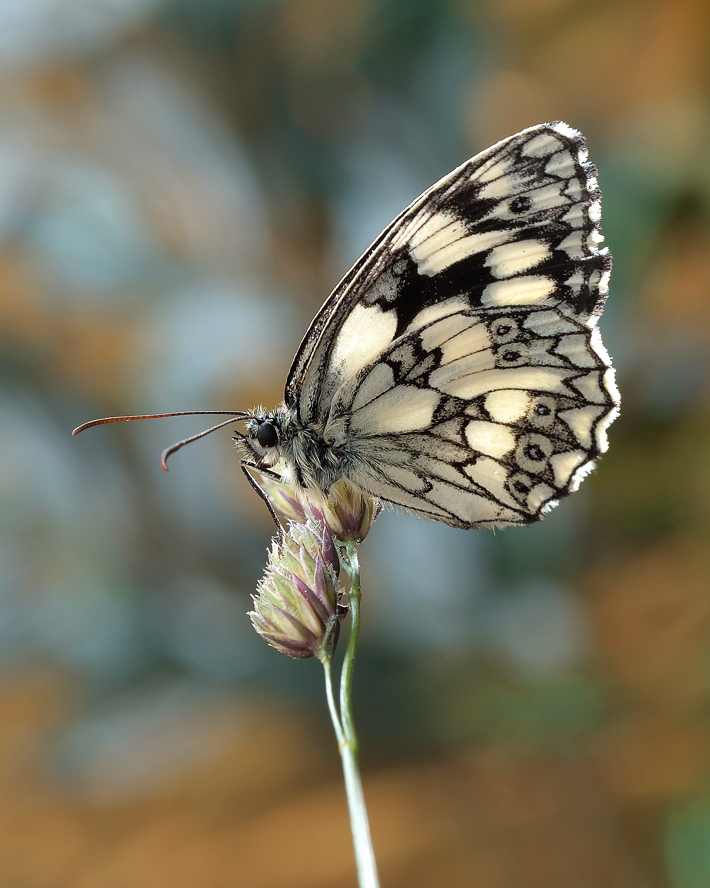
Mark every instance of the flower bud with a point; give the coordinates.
(346, 511)
(284, 499)
(296, 602)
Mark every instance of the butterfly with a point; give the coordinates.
(457, 371)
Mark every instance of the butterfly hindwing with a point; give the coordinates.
(479, 418)
(458, 361)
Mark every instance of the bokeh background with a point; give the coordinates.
(181, 184)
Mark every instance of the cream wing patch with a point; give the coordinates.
(576, 349)
(526, 290)
(508, 405)
(449, 243)
(564, 464)
(540, 495)
(602, 426)
(469, 507)
(590, 388)
(366, 333)
(437, 334)
(509, 259)
(377, 381)
(581, 422)
(471, 340)
(492, 170)
(467, 381)
(490, 438)
(439, 310)
(404, 408)
(542, 145)
(492, 476)
(549, 323)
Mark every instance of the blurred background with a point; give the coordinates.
(182, 182)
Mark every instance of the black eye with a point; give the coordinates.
(503, 329)
(511, 356)
(267, 435)
(542, 410)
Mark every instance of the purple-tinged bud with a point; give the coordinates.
(296, 602)
(284, 499)
(347, 512)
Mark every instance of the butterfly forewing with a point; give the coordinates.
(458, 362)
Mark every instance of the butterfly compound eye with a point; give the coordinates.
(267, 435)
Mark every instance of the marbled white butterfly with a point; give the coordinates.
(457, 370)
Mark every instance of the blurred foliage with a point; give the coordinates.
(181, 184)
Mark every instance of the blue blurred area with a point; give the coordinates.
(181, 184)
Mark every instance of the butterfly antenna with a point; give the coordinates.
(233, 415)
(174, 447)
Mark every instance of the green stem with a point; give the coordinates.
(346, 676)
(347, 740)
(326, 660)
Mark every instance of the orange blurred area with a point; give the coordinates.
(181, 184)
(268, 809)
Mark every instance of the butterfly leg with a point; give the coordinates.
(245, 465)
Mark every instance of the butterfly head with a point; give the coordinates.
(264, 436)
(300, 454)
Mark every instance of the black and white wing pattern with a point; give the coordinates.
(458, 364)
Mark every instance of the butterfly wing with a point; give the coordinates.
(458, 361)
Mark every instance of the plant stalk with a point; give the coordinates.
(345, 733)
